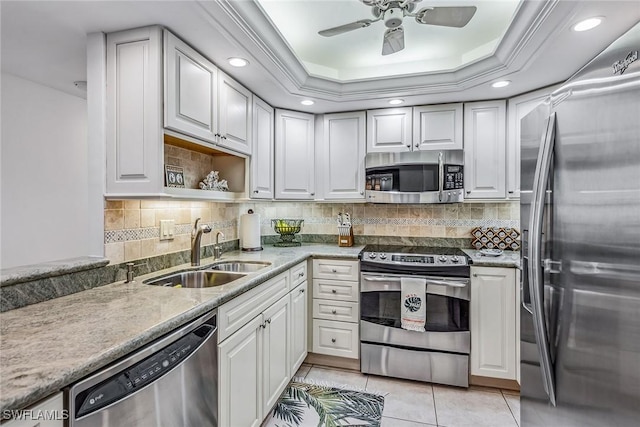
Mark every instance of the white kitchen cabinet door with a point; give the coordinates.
(484, 150)
(262, 173)
(276, 352)
(437, 127)
(341, 162)
(295, 174)
(493, 322)
(51, 407)
(134, 112)
(190, 90)
(517, 108)
(389, 129)
(240, 377)
(234, 115)
(299, 304)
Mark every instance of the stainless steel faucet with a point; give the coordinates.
(196, 235)
(217, 249)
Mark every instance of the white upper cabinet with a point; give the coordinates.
(190, 90)
(389, 129)
(134, 112)
(341, 156)
(234, 119)
(517, 108)
(484, 150)
(437, 127)
(295, 175)
(262, 159)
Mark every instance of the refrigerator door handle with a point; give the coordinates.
(536, 285)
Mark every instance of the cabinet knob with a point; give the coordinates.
(217, 135)
(333, 311)
(255, 191)
(417, 145)
(334, 270)
(511, 192)
(475, 274)
(302, 291)
(333, 291)
(301, 274)
(313, 194)
(333, 340)
(408, 145)
(468, 191)
(223, 136)
(362, 193)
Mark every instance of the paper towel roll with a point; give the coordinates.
(250, 231)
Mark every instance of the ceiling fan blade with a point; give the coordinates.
(393, 40)
(446, 16)
(363, 23)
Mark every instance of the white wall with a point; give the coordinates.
(44, 189)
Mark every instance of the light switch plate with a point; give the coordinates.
(167, 229)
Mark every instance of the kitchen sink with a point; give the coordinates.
(239, 266)
(195, 279)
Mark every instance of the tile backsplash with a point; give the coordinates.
(132, 227)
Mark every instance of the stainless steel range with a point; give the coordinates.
(440, 354)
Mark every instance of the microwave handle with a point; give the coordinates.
(441, 172)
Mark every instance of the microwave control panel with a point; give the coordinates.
(453, 177)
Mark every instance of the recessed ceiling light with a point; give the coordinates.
(587, 24)
(396, 101)
(238, 62)
(501, 83)
(307, 102)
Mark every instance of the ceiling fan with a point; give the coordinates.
(391, 12)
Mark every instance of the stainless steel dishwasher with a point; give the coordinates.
(171, 382)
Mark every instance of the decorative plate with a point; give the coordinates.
(491, 252)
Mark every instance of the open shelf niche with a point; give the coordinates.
(197, 160)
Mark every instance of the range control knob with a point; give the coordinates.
(372, 255)
(455, 259)
(383, 256)
(442, 258)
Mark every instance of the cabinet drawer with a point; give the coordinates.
(335, 269)
(335, 290)
(298, 274)
(343, 311)
(239, 311)
(335, 338)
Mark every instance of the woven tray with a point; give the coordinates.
(495, 238)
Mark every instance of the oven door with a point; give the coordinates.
(447, 322)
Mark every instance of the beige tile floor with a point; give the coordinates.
(418, 404)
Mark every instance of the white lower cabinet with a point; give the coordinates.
(494, 339)
(257, 359)
(336, 308)
(299, 304)
(52, 407)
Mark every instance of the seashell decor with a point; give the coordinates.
(213, 183)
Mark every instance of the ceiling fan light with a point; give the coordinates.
(307, 102)
(396, 101)
(501, 83)
(238, 62)
(587, 24)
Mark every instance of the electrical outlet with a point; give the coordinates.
(167, 229)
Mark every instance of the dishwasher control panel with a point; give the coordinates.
(140, 374)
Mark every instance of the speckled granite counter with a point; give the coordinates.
(9, 276)
(507, 259)
(49, 345)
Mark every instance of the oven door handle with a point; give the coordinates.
(452, 283)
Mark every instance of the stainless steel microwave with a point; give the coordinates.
(415, 177)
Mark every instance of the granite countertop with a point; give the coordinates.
(507, 259)
(50, 345)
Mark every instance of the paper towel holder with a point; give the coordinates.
(258, 248)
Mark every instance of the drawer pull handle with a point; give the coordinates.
(333, 311)
(333, 291)
(334, 270)
(333, 340)
(301, 274)
(301, 291)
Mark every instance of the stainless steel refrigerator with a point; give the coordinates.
(580, 215)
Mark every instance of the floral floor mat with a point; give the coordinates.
(312, 405)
